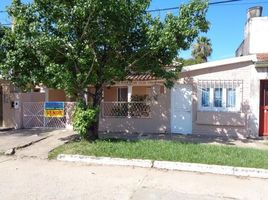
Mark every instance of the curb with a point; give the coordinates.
(168, 165)
(106, 160)
(213, 169)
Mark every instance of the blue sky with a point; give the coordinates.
(227, 23)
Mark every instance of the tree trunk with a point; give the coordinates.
(93, 131)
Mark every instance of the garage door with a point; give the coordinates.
(181, 109)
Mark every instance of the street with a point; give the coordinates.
(34, 178)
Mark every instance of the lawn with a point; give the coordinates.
(169, 151)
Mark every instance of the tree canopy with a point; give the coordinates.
(73, 44)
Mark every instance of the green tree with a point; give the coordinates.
(202, 49)
(3, 30)
(73, 44)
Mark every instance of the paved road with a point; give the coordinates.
(39, 179)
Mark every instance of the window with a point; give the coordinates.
(122, 94)
(230, 97)
(205, 97)
(220, 95)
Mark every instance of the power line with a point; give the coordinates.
(177, 7)
(217, 3)
(252, 3)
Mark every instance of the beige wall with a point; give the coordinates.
(8, 111)
(237, 124)
(12, 117)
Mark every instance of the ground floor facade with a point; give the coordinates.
(224, 98)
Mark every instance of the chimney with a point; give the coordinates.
(255, 11)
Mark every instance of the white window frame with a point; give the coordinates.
(119, 93)
(236, 84)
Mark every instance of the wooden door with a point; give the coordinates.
(263, 108)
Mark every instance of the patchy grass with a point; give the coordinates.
(169, 151)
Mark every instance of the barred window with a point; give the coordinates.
(221, 95)
(205, 97)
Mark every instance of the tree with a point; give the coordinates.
(202, 49)
(2, 34)
(73, 44)
(190, 61)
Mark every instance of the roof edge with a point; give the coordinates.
(218, 63)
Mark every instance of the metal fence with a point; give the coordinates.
(33, 116)
(126, 109)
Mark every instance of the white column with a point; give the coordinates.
(129, 93)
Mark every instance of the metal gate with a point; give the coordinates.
(33, 116)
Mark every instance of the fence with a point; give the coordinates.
(33, 116)
(126, 109)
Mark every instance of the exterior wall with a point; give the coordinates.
(55, 95)
(140, 90)
(8, 111)
(255, 37)
(110, 94)
(258, 40)
(238, 124)
(159, 122)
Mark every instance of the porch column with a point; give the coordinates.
(129, 93)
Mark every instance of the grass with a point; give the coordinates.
(169, 151)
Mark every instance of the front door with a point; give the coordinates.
(181, 109)
(264, 108)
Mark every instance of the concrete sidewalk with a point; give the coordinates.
(20, 138)
(34, 142)
(43, 147)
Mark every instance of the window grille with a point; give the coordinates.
(220, 95)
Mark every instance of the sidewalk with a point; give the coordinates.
(42, 148)
(10, 139)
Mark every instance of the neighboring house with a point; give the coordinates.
(255, 33)
(226, 97)
(18, 109)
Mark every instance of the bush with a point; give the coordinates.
(83, 118)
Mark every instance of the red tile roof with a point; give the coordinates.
(140, 77)
(262, 57)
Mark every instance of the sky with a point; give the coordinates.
(227, 23)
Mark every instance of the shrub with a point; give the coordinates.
(83, 117)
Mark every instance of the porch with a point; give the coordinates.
(130, 107)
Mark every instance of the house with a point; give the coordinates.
(138, 104)
(226, 97)
(25, 110)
